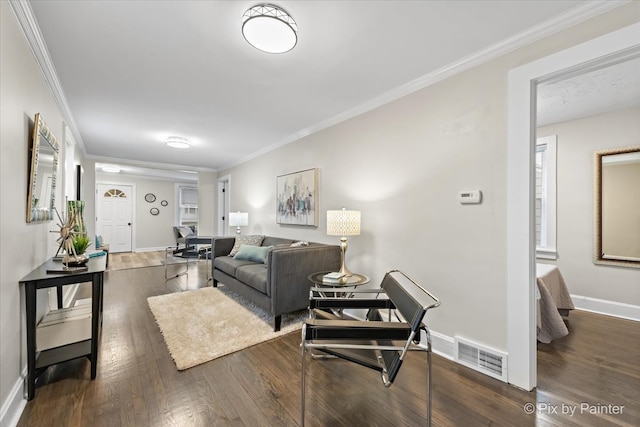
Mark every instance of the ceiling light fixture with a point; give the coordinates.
(269, 29)
(177, 142)
(111, 169)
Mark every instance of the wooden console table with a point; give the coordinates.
(39, 279)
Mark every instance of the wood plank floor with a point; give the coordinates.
(138, 384)
(126, 260)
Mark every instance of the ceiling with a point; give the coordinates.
(615, 87)
(135, 72)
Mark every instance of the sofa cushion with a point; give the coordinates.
(229, 264)
(253, 253)
(254, 275)
(245, 240)
(276, 241)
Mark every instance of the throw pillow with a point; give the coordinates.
(99, 242)
(253, 253)
(300, 243)
(245, 240)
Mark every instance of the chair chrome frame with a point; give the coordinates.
(170, 251)
(386, 342)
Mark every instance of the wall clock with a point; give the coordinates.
(154, 211)
(164, 203)
(150, 197)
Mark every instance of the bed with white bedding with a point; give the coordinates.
(553, 303)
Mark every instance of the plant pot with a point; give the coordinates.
(75, 261)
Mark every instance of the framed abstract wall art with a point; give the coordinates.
(297, 198)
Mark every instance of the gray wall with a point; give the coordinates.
(151, 232)
(207, 202)
(401, 165)
(578, 140)
(22, 246)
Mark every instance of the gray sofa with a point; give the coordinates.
(280, 284)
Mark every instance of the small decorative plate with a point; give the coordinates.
(164, 203)
(154, 211)
(150, 197)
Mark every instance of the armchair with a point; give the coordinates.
(183, 233)
(377, 343)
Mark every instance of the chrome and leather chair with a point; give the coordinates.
(394, 326)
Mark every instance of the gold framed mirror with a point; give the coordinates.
(43, 161)
(617, 207)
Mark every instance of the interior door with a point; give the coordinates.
(114, 215)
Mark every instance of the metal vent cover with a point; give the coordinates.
(482, 359)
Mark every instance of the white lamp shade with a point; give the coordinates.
(238, 219)
(343, 223)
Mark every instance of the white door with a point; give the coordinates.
(114, 216)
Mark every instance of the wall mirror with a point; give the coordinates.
(42, 173)
(617, 207)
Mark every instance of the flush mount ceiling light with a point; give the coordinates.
(269, 29)
(177, 142)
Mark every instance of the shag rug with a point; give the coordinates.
(207, 323)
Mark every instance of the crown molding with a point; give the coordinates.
(547, 28)
(29, 25)
(586, 11)
(147, 164)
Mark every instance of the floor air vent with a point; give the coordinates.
(481, 359)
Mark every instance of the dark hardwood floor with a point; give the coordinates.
(138, 384)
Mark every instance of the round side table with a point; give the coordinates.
(352, 282)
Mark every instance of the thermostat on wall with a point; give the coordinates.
(470, 197)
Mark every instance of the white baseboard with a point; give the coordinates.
(443, 345)
(609, 308)
(14, 405)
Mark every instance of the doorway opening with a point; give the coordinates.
(523, 81)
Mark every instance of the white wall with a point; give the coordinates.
(207, 202)
(22, 246)
(151, 232)
(578, 140)
(403, 165)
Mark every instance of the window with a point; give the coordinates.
(546, 197)
(187, 205)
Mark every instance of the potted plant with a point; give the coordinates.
(80, 243)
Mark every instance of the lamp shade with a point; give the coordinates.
(343, 223)
(238, 219)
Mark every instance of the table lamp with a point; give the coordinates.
(343, 223)
(238, 219)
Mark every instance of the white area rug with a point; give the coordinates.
(204, 324)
